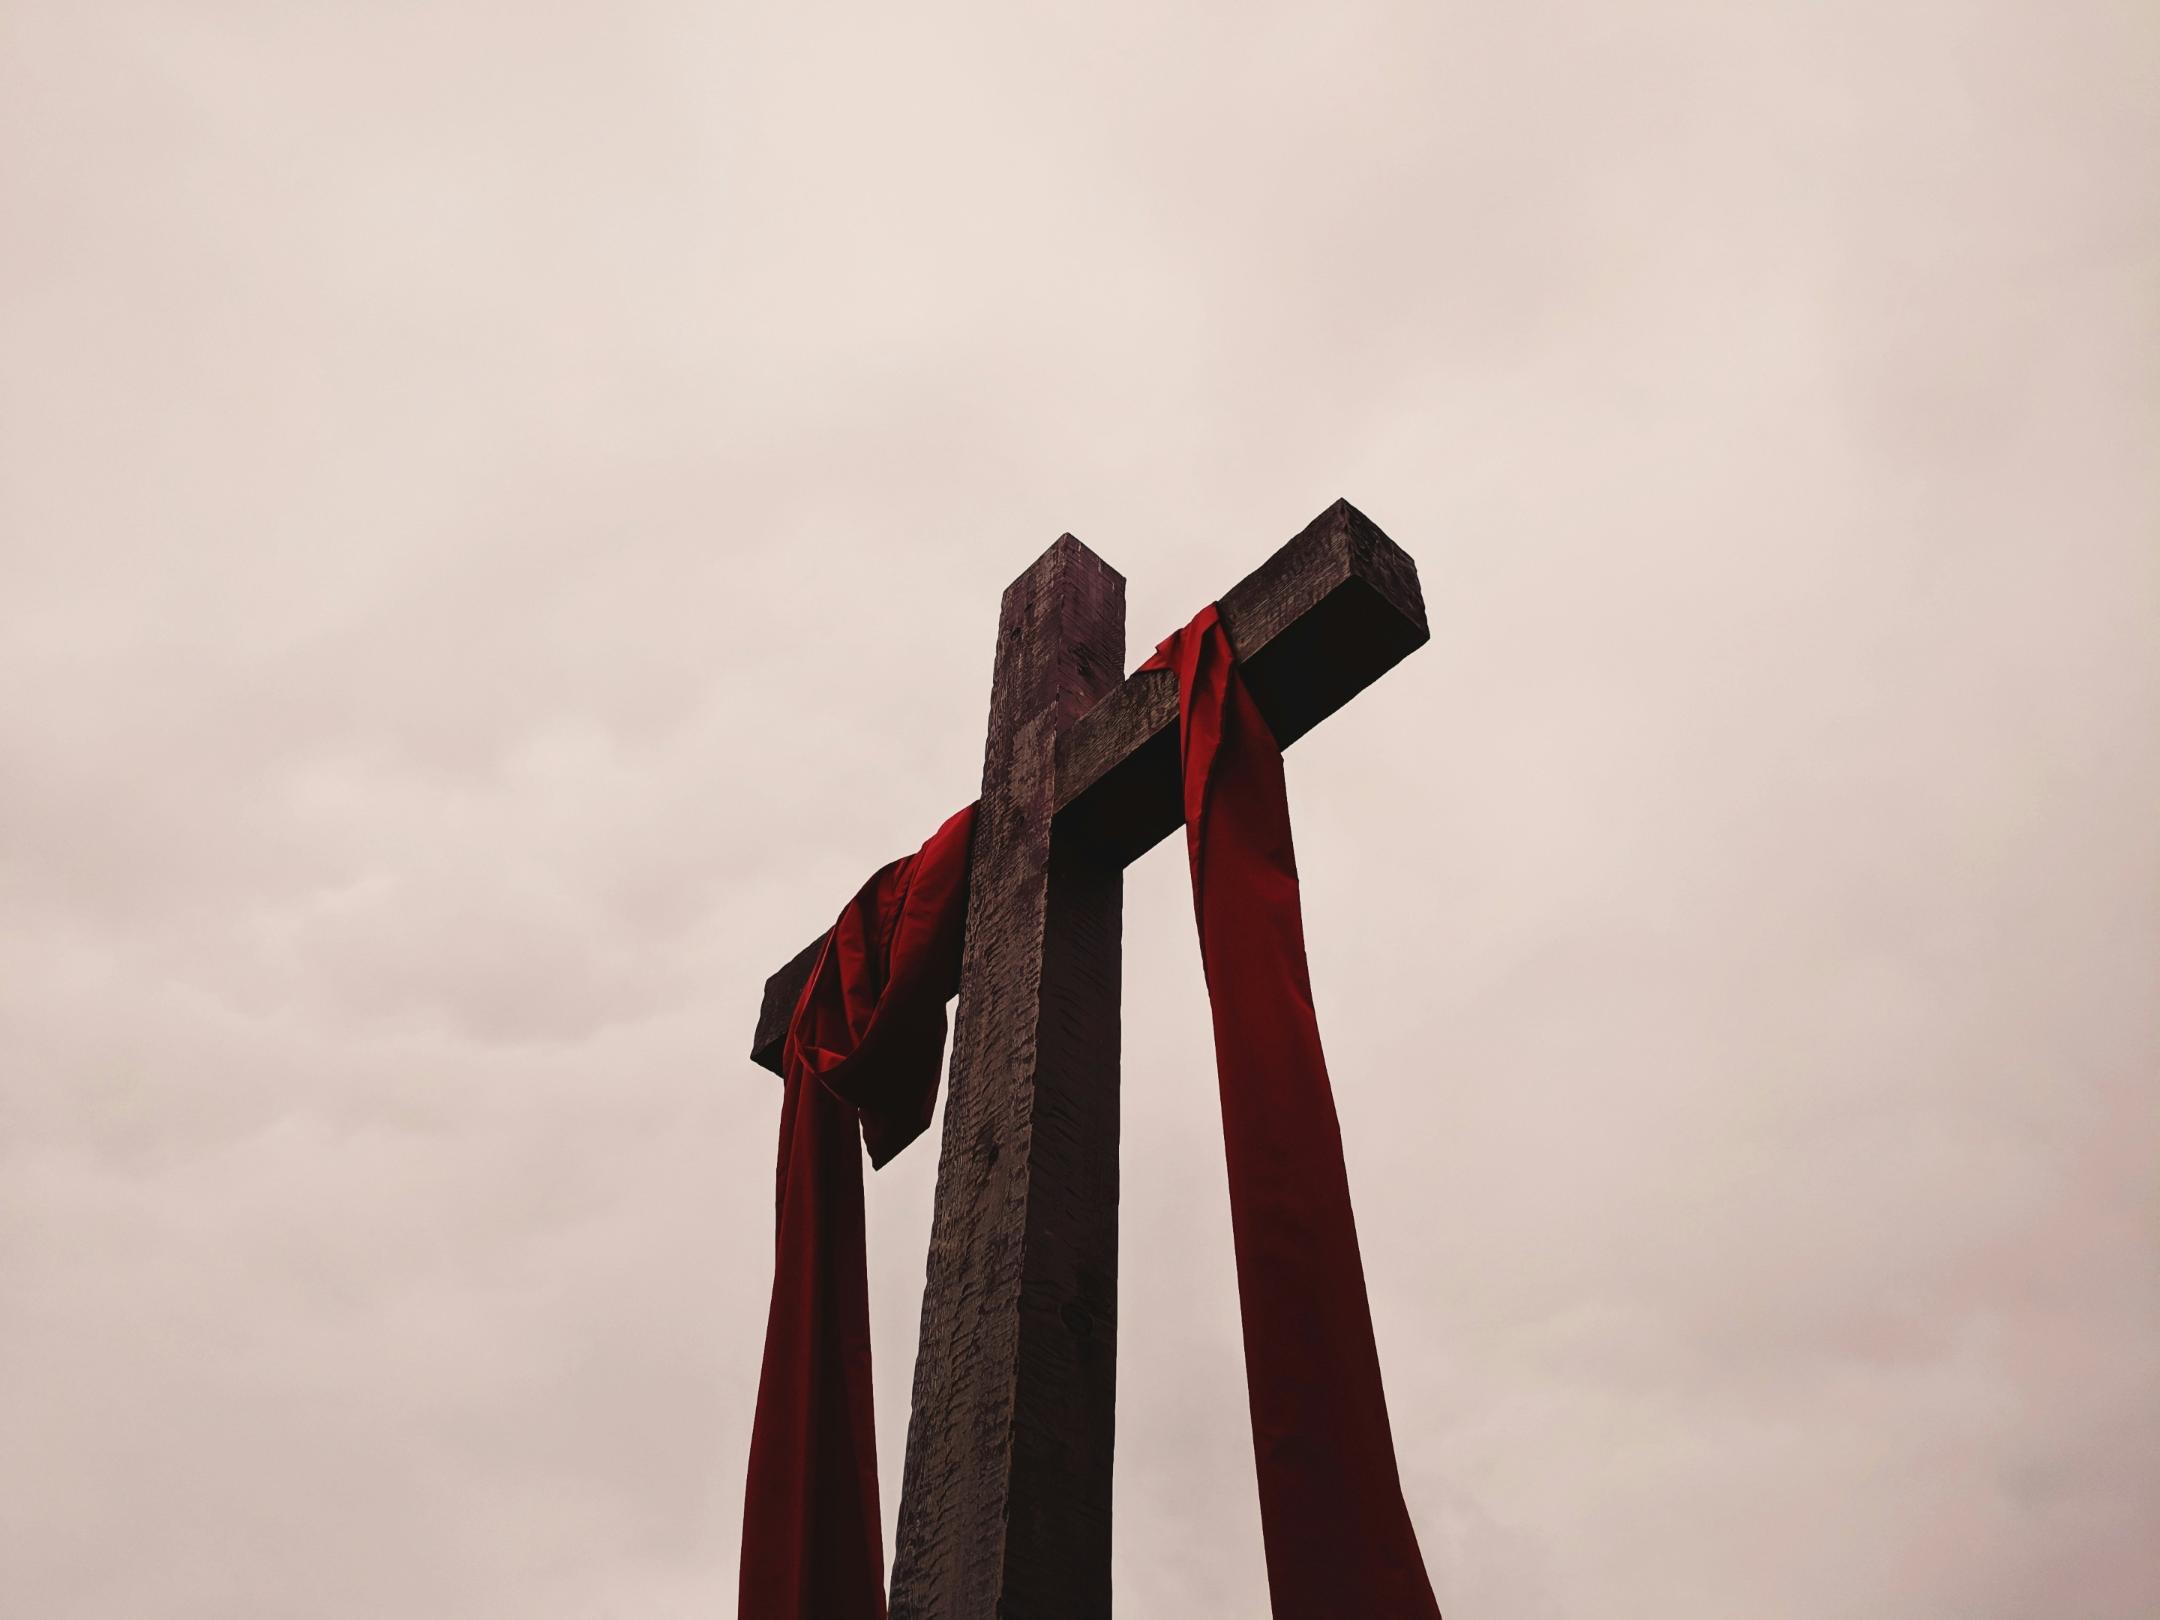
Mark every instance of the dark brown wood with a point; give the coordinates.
(1331, 612)
(1005, 1505)
(1328, 614)
(778, 1006)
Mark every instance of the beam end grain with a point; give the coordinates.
(782, 991)
(1318, 622)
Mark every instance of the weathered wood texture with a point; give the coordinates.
(1005, 1506)
(1326, 616)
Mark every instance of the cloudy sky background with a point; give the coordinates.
(503, 509)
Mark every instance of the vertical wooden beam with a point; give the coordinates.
(1005, 1509)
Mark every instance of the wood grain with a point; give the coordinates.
(1005, 1506)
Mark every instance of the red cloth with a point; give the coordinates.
(1340, 1545)
(865, 1042)
(863, 1046)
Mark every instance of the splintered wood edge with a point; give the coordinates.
(1341, 549)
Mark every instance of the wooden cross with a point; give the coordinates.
(1005, 1502)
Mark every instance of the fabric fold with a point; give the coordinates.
(861, 1060)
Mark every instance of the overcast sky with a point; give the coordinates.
(503, 508)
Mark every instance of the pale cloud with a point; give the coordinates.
(502, 512)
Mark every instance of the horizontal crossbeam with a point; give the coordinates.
(1328, 614)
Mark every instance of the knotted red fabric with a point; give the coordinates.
(865, 1044)
(861, 1056)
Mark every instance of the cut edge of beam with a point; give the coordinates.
(778, 1005)
(1329, 613)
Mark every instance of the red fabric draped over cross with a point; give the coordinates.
(865, 1042)
(1338, 1537)
(862, 1055)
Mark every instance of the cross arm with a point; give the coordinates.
(1328, 614)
